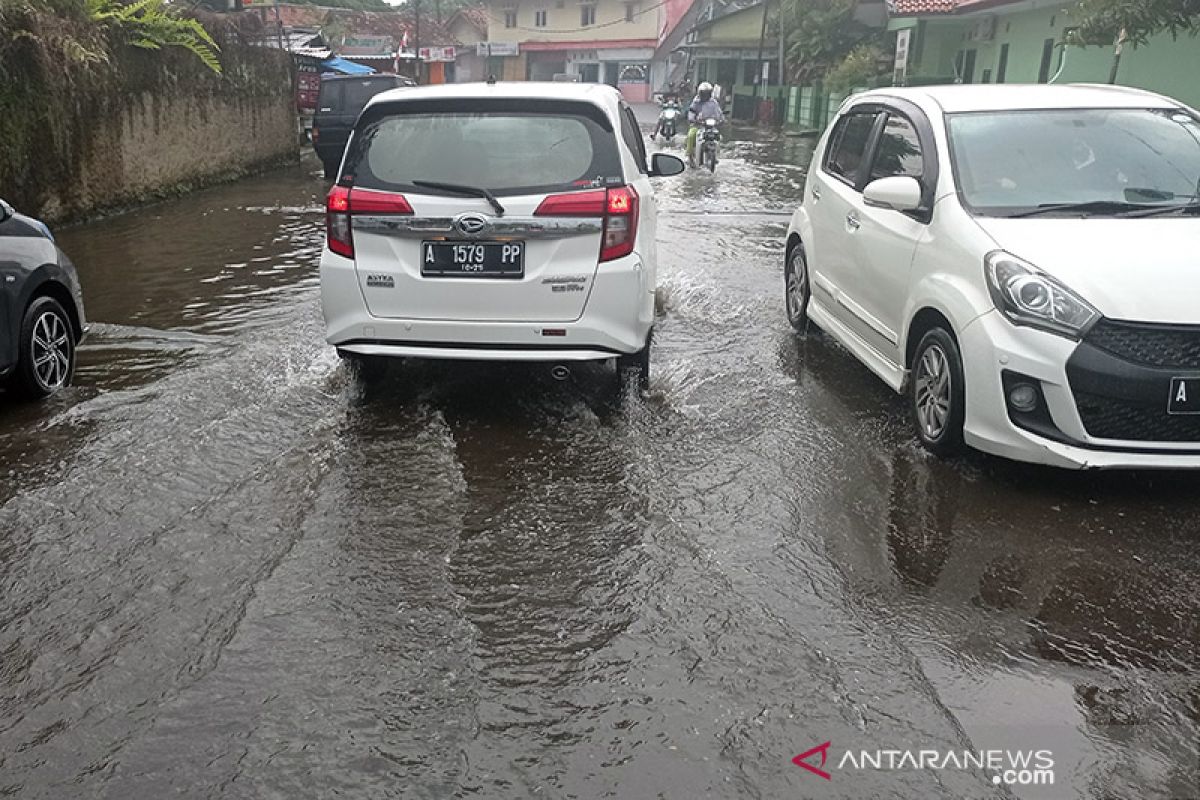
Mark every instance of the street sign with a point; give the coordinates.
(900, 68)
(436, 54)
(486, 49)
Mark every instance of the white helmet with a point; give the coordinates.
(704, 87)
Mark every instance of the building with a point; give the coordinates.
(726, 46)
(609, 41)
(1021, 41)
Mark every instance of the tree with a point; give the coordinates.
(1121, 22)
(818, 34)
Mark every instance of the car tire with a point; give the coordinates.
(46, 355)
(797, 291)
(937, 393)
(637, 364)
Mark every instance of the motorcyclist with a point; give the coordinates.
(670, 101)
(703, 107)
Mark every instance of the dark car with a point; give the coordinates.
(41, 308)
(341, 100)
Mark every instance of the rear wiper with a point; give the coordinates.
(1090, 207)
(469, 191)
(1173, 208)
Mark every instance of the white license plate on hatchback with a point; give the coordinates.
(473, 259)
(1185, 396)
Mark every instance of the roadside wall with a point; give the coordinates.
(88, 135)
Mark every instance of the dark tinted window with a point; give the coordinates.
(899, 151)
(848, 143)
(507, 147)
(633, 136)
(356, 93)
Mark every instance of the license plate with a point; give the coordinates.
(1185, 396)
(473, 259)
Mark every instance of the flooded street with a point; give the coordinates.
(231, 569)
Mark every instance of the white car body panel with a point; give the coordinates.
(566, 307)
(869, 281)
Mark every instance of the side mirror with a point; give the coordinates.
(6, 211)
(664, 165)
(899, 193)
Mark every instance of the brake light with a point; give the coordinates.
(337, 222)
(620, 223)
(618, 207)
(342, 202)
(314, 134)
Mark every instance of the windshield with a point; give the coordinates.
(1013, 162)
(505, 152)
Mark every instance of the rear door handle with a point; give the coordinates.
(852, 221)
(816, 193)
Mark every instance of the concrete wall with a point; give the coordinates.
(80, 139)
(161, 145)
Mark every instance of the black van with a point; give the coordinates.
(342, 98)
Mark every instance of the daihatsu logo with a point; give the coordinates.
(471, 224)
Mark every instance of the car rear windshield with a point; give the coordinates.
(1011, 162)
(349, 96)
(507, 147)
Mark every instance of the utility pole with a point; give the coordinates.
(762, 36)
(417, 36)
(1116, 63)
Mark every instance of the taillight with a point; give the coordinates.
(620, 223)
(343, 201)
(314, 133)
(337, 222)
(618, 207)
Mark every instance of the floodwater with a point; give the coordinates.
(231, 569)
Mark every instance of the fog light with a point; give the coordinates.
(1023, 397)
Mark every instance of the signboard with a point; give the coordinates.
(900, 68)
(436, 54)
(367, 46)
(497, 49)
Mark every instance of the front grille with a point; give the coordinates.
(1152, 345)
(1109, 418)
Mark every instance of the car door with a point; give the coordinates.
(883, 242)
(835, 200)
(647, 237)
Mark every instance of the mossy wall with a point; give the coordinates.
(89, 124)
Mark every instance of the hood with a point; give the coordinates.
(1144, 270)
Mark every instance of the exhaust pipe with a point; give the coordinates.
(560, 372)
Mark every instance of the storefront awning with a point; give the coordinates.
(345, 67)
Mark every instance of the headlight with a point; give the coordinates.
(1029, 297)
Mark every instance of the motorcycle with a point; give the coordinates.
(710, 137)
(667, 122)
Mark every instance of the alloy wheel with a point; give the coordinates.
(797, 286)
(50, 350)
(933, 391)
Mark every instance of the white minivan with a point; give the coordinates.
(1023, 262)
(510, 222)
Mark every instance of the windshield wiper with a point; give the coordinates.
(1172, 208)
(469, 191)
(1089, 207)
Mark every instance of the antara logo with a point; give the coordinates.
(802, 760)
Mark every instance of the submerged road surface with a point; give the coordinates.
(228, 569)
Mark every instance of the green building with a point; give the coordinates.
(723, 46)
(1020, 41)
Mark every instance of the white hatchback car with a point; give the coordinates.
(1022, 261)
(511, 222)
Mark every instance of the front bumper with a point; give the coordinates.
(992, 346)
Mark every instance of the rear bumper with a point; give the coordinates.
(615, 321)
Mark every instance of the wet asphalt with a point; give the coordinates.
(229, 568)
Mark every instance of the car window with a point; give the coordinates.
(330, 97)
(505, 149)
(899, 150)
(356, 93)
(848, 143)
(1010, 162)
(632, 134)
